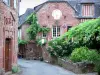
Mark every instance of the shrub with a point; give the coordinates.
(61, 49)
(22, 42)
(41, 42)
(85, 34)
(14, 69)
(83, 54)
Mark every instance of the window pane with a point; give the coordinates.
(54, 31)
(15, 3)
(58, 31)
(44, 34)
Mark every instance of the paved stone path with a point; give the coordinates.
(32, 67)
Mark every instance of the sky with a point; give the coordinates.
(24, 4)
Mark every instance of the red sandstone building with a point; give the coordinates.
(8, 33)
(59, 16)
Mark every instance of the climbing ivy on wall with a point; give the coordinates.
(85, 34)
(34, 27)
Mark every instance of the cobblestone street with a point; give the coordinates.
(32, 67)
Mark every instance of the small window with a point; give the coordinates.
(68, 27)
(7, 2)
(19, 34)
(15, 3)
(44, 34)
(56, 31)
(88, 10)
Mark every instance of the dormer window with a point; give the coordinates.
(87, 10)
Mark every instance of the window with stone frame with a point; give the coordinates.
(55, 31)
(44, 34)
(88, 10)
(7, 2)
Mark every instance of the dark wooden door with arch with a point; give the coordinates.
(7, 55)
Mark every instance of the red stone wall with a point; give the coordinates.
(67, 12)
(8, 29)
(67, 19)
(24, 31)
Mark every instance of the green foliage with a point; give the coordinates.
(21, 42)
(83, 54)
(44, 29)
(60, 48)
(34, 28)
(85, 34)
(15, 69)
(40, 43)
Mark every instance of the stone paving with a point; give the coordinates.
(32, 67)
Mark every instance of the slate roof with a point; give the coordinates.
(75, 4)
(23, 18)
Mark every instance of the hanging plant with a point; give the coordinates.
(34, 28)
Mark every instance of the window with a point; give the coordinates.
(7, 2)
(88, 10)
(56, 31)
(68, 27)
(15, 3)
(44, 34)
(19, 33)
(83, 20)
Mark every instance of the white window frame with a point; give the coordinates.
(56, 32)
(15, 3)
(7, 2)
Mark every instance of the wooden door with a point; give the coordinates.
(7, 55)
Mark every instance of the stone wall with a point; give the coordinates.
(77, 68)
(30, 51)
(68, 18)
(8, 29)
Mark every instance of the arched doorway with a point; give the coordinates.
(8, 54)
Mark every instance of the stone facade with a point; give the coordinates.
(71, 16)
(67, 19)
(8, 32)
